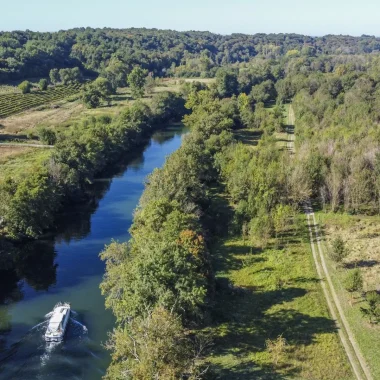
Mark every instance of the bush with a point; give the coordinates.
(338, 250)
(354, 281)
(43, 84)
(25, 87)
(154, 347)
(373, 309)
(47, 136)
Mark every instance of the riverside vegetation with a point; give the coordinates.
(217, 280)
(28, 205)
(224, 182)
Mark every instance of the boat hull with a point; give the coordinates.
(57, 334)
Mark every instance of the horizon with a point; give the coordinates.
(190, 30)
(332, 17)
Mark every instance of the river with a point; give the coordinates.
(68, 268)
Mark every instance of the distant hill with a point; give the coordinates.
(25, 54)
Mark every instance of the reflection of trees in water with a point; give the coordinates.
(168, 134)
(76, 224)
(10, 288)
(32, 262)
(137, 163)
(9, 280)
(35, 264)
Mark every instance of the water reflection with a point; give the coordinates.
(65, 267)
(35, 263)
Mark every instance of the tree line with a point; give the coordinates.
(160, 285)
(27, 54)
(28, 205)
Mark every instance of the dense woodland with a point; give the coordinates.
(25, 54)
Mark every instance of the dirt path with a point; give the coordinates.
(26, 145)
(357, 361)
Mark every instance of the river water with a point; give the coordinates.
(68, 268)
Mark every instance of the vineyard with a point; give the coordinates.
(12, 103)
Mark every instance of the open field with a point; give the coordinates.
(362, 237)
(8, 152)
(24, 124)
(276, 293)
(17, 126)
(11, 103)
(24, 160)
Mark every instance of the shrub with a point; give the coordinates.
(47, 136)
(276, 348)
(25, 87)
(373, 309)
(354, 281)
(338, 250)
(43, 84)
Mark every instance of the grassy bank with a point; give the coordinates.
(362, 237)
(275, 293)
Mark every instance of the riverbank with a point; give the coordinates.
(67, 268)
(29, 205)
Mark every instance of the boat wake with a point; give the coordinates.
(33, 355)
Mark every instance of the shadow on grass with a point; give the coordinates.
(245, 325)
(361, 264)
(248, 137)
(244, 318)
(245, 371)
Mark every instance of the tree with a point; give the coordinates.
(334, 86)
(338, 250)
(68, 76)
(136, 81)
(54, 76)
(43, 84)
(47, 136)
(373, 309)
(150, 84)
(154, 347)
(25, 87)
(263, 92)
(226, 83)
(281, 216)
(97, 91)
(354, 281)
(116, 73)
(91, 96)
(261, 228)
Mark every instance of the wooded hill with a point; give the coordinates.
(25, 54)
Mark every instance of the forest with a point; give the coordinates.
(27, 54)
(232, 186)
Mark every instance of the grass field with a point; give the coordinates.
(275, 293)
(11, 103)
(22, 162)
(362, 236)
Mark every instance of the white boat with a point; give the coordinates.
(58, 322)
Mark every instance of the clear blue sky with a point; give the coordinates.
(312, 17)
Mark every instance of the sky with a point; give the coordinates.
(315, 18)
